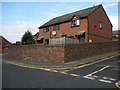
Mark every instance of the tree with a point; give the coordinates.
(27, 38)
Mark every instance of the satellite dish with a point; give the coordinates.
(53, 32)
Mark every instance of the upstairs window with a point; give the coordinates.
(46, 29)
(56, 27)
(101, 25)
(75, 23)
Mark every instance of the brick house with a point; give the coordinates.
(87, 25)
(35, 37)
(3, 42)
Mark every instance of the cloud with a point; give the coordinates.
(114, 21)
(73, 7)
(52, 14)
(110, 5)
(13, 32)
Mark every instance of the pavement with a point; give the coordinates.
(59, 66)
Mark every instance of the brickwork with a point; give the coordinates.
(3, 43)
(79, 51)
(60, 53)
(97, 34)
(37, 52)
(66, 28)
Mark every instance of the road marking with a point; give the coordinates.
(118, 84)
(92, 73)
(91, 63)
(63, 72)
(63, 69)
(106, 81)
(104, 68)
(74, 75)
(88, 77)
(112, 79)
(47, 69)
(54, 70)
(98, 71)
(104, 77)
(95, 76)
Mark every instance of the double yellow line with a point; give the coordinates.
(118, 84)
(59, 68)
(91, 63)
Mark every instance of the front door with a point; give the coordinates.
(46, 41)
(82, 39)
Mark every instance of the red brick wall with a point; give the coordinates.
(94, 26)
(61, 53)
(37, 53)
(79, 51)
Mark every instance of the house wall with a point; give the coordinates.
(66, 28)
(3, 43)
(60, 53)
(95, 33)
(0, 45)
(35, 40)
(35, 37)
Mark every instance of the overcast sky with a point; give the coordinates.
(18, 17)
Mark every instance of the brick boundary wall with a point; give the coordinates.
(79, 51)
(37, 52)
(60, 53)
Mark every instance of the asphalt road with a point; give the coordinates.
(100, 75)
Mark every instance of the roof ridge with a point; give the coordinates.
(67, 17)
(78, 11)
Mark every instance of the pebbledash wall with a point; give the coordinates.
(60, 53)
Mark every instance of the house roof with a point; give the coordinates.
(65, 18)
(36, 34)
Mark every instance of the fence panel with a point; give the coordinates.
(62, 40)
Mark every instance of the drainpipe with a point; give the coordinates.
(88, 28)
(50, 35)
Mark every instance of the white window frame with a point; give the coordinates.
(75, 23)
(101, 24)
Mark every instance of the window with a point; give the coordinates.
(75, 23)
(46, 29)
(100, 24)
(56, 27)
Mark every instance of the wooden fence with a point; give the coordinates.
(62, 40)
